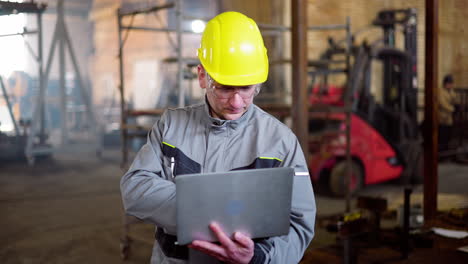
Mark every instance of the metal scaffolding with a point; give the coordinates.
(36, 143)
(128, 130)
(62, 38)
(11, 8)
(125, 113)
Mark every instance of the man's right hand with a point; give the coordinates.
(239, 251)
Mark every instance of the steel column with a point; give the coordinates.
(180, 73)
(123, 113)
(430, 112)
(40, 62)
(62, 66)
(299, 73)
(348, 104)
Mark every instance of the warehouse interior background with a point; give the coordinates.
(83, 80)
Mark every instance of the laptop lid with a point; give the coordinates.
(255, 202)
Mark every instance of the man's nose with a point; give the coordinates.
(236, 100)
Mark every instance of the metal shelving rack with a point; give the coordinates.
(125, 113)
(131, 131)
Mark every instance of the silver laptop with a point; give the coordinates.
(255, 202)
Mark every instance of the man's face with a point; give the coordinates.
(449, 86)
(227, 102)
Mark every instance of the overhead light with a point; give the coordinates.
(198, 26)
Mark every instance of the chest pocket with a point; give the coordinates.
(262, 163)
(182, 163)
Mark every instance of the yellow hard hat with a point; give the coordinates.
(232, 50)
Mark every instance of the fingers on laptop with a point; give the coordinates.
(239, 250)
(210, 249)
(223, 238)
(243, 240)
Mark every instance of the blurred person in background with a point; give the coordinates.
(447, 102)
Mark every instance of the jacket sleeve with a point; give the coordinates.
(291, 248)
(147, 191)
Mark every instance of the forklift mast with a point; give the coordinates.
(392, 98)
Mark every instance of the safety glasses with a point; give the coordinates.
(226, 91)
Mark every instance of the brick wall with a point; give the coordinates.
(453, 41)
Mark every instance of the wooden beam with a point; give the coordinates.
(299, 72)
(430, 112)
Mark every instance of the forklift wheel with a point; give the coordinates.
(337, 178)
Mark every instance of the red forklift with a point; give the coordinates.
(381, 90)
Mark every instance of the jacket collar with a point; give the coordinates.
(217, 123)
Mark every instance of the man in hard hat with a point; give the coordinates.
(224, 133)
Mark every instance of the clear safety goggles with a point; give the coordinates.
(226, 91)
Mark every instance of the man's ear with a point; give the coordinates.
(202, 76)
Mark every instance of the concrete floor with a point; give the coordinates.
(69, 210)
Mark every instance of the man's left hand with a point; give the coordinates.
(239, 251)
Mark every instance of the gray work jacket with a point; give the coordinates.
(189, 140)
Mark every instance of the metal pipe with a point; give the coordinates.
(189, 17)
(348, 161)
(348, 45)
(329, 72)
(430, 112)
(45, 80)
(348, 103)
(158, 29)
(299, 73)
(328, 27)
(38, 118)
(18, 34)
(266, 27)
(406, 223)
(10, 109)
(148, 10)
(180, 73)
(40, 62)
(28, 46)
(123, 118)
(62, 65)
(347, 250)
(268, 33)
